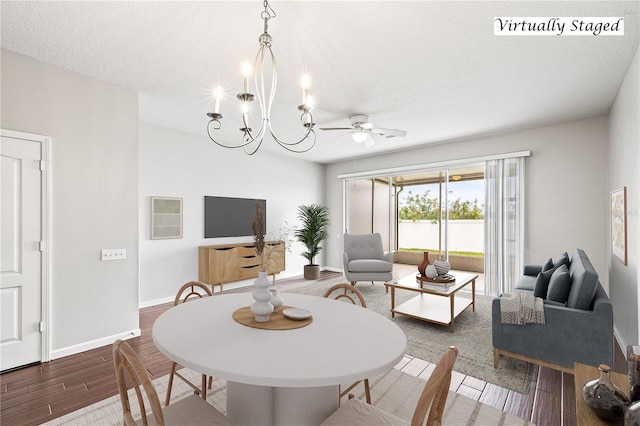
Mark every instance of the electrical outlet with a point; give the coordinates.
(113, 254)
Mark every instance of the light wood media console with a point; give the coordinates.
(225, 263)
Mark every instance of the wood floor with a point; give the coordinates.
(39, 393)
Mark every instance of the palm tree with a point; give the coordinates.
(314, 229)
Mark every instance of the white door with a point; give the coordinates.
(20, 253)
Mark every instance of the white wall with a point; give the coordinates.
(176, 164)
(462, 234)
(567, 194)
(624, 163)
(94, 168)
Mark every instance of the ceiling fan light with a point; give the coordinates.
(359, 136)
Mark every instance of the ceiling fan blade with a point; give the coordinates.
(369, 142)
(336, 128)
(390, 133)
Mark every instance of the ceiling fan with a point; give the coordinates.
(361, 130)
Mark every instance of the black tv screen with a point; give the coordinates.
(230, 217)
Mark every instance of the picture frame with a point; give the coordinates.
(619, 224)
(166, 218)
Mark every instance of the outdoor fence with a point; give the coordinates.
(464, 235)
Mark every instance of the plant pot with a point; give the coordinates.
(311, 272)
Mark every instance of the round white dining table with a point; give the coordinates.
(280, 377)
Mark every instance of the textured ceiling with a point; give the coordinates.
(434, 69)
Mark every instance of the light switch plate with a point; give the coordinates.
(113, 254)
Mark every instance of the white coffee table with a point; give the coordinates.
(435, 302)
(280, 377)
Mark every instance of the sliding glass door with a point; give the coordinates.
(440, 211)
(369, 208)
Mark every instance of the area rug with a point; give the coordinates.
(394, 391)
(428, 341)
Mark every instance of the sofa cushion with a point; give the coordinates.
(559, 285)
(548, 265)
(563, 259)
(526, 282)
(542, 283)
(584, 281)
(370, 265)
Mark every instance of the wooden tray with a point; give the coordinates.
(277, 320)
(448, 279)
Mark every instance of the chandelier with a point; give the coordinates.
(252, 140)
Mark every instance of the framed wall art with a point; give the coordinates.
(166, 218)
(619, 224)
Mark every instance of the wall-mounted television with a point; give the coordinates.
(230, 217)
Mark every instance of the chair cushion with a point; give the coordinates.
(370, 265)
(559, 285)
(356, 412)
(193, 410)
(363, 246)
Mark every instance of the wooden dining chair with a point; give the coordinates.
(430, 405)
(346, 292)
(190, 290)
(191, 410)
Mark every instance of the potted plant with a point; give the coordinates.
(314, 229)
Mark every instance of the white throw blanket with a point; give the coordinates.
(521, 308)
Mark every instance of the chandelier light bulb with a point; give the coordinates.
(306, 81)
(246, 72)
(217, 95)
(359, 136)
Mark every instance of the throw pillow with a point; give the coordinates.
(548, 265)
(563, 259)
(559, 285)
(542, 283)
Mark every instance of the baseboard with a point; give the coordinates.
(93, 344)
(623, 345)
(155, 302)
(332, 269)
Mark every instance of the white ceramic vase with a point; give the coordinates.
(442, 267)
(430, 271)
(276, 300)
(262, 306)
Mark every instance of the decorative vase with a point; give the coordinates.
(431, 272)
(262, 307)
(442, 266)
(633, 368)
(425, 262)
(632, 416)
(276, 300)
(605, 398)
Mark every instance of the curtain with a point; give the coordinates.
(504, 223)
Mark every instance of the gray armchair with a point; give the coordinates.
(365, 260)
